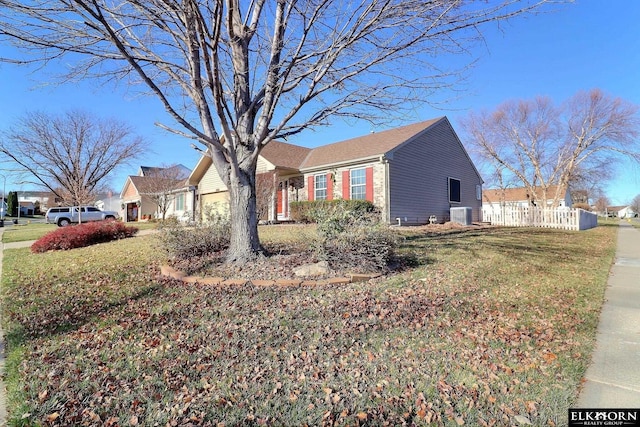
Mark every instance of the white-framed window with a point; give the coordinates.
(478, 192)
(179, 202)
(454, 190)
(320, 187)
(358, 184)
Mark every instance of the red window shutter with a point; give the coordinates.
(369, 184)
(311, 191)
(329, 186)
(346, 185)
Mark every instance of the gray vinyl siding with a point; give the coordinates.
(418, 177)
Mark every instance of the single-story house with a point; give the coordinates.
(621, 211)
(27, 208)
(493, 199)
(411, 173)
(36, 201)
(139, 196)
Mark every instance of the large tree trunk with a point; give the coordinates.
(245, 243)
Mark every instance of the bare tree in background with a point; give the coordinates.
(160, 185)
(543, 145)
(590, 182)
(235, 74)
(71, 154)
(602, 204)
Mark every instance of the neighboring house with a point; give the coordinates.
(621, 211)
(27, 208)
(36, 200)
(494, 199)
(108, 202)
(411, 173)
(139, 191)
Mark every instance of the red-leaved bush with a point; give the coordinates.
(81, 235)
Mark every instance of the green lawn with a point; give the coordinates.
(33, 231)
(486, 326)
(24, 232)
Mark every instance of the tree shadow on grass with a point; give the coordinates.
(58, 320)
(521, 244)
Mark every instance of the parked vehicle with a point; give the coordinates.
(66, 215)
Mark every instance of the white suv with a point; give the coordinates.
(66, 215)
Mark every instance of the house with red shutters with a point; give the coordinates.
(412, 174)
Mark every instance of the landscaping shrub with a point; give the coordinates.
(350, 239)
(584, 206)
(81, 235)
(311, 211)
(182, 243)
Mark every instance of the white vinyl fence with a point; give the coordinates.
(532, 216)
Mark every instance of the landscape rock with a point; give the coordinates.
(310, 270)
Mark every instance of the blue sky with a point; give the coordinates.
(580, 46)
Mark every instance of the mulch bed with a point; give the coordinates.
(280, 261)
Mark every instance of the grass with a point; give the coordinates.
(21, 233)
(33, 231)
(486, 326)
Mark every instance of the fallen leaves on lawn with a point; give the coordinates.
(447, 348)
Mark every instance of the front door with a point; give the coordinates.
(132, 212)
(283, 200)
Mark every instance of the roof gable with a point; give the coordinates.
(149, 184)
(180, 170)
(280, 155)
(284, 155)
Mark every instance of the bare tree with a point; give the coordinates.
(235, 75)
(589, 183)
(544, 145)
(160, 185)
(602, 204)
(70, 154)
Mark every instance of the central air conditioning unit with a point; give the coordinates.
(462, 215)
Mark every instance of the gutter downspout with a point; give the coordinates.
(193, 189)
(387, 191)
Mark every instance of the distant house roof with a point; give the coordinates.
(146, 184)
(617, 208)
(35, 193)
(513, 194)
(363, 147)
(150, 170)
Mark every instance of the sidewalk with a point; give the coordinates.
(3, 388)
(613, 379)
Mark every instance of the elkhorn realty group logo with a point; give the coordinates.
(604, 417)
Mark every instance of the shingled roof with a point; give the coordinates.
(372, 145)
(294, 157)
(513, 194)
(146, 184)
(284, 155)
